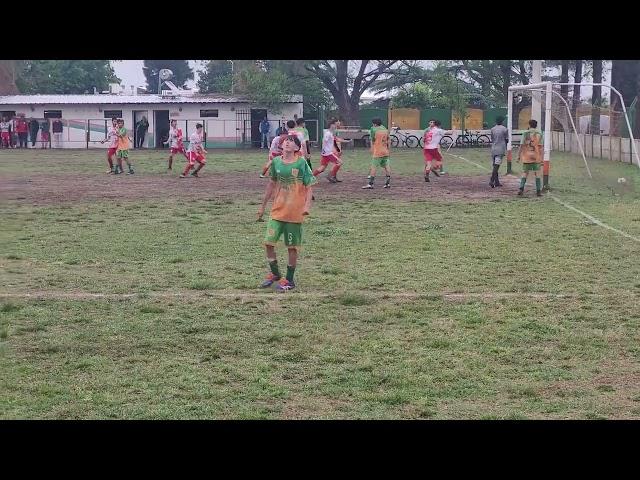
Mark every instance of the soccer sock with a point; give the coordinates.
(316, 172)
(273, 265)
(170, 162)
(290, 271)
(371, 179)
(537, 184)
(388, 180)
(199, 168)
(335, 169)
(264, 170)
(309, 163)
(186, 169)
(523, 180)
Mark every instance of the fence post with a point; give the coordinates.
(87, 133)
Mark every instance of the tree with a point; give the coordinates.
(182, 73)
(596, 97)
(8, 77)
(625, 77)
(64, 76)
(577, 78)
(347, 80)
(216, 78)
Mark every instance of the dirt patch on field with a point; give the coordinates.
(41, 189)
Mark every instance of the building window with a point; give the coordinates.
(53, 114)
(113, 113)
(208, 113)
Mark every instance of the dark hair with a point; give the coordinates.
(114, 118)
(120, 120)
(173, 120)
(376, 121)
(533, 123)
(300, 121)
(437, 123)
(332, 121)
(198, 125)
(294, 139)
(499, 120)
(291, 124)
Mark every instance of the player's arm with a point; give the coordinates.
(307, 201)
(267, 197)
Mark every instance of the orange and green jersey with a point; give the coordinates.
(290, 195)
(123, 139)
(532, 141)
(379, 141)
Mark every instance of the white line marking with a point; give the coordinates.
(594, 220)
(566, 205)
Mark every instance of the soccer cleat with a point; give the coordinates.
(332, 180)
(435, 172)
(520, 192)
(386, 185)
(263, 176)
(270, 280)
(110, 171)
(336, 179)
(182, 175)
(491, 185)
(498, 185)
(130, 172)
(285, 285)
(368, 186)
(426, 178)
(538, 193)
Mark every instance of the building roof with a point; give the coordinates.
(125, 99)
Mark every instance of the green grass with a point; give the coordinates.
(404, 309)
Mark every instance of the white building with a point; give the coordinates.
(228, 120)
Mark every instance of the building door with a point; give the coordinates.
(243, 128)
(137, 116)
(257, 115)
(161, 122)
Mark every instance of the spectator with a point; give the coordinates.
(12, 133)
(280, 130)
(21, 129)
(57, 133)
(5, 132)
(141, 131)
(34, 126)
(265, 127)
(44, 134)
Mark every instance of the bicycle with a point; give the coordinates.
(408, 140)
(445, 141)
(469, 139)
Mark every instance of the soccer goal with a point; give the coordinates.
(585, 131)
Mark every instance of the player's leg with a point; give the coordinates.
(274, 231)
(387, 170)
(201, 163)
(324, 161)
(170, 160)
(427, 164)
(334, 171)
(538, 181)
(497, 163)
(110, 160)
(190, 163)
(372, 174)
(293, 241)
(129, 164)
(523, 178)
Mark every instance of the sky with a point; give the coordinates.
(130, 72)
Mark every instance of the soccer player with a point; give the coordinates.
(196, 153)
(274, 151)
(432, 137)
(301, 128)
(122, 151)
(290, 186)
(531, 155)
(499, 139)
(379, 152)
(112, 137)
(329, 155)
(175, 142)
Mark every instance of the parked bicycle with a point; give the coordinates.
(444, 141)
(407, 140)
(472, 139)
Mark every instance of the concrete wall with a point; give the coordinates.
(597, 146)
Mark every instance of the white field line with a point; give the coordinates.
(566, 205)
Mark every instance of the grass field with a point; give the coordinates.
(136, 296)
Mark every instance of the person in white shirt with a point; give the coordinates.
(196, 152)
(329, 153)
(112, 138)
(432, 137)
(175, 142)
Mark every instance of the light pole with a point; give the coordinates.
(231, 76)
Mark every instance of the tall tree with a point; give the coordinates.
(8, 77)
(596, 97)
(577, 78)
(216, 77)
(182, 72)
(64, 76)
(625, 77)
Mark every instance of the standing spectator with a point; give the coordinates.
(21, 129)
(265, 127)
(5, 132)
(57, 133)
(141, 131)
(44, 133)
(12, 133)
(280, 130)
(34, 126)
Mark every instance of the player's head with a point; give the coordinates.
(300, 122)
(174, 123)
(437, 123)
(114, 121)
(291, 144)
(533, 123)
(499, 120)
(291, 124)
(199, 127)
(333, 124)
(120, 122)
(377, 121)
